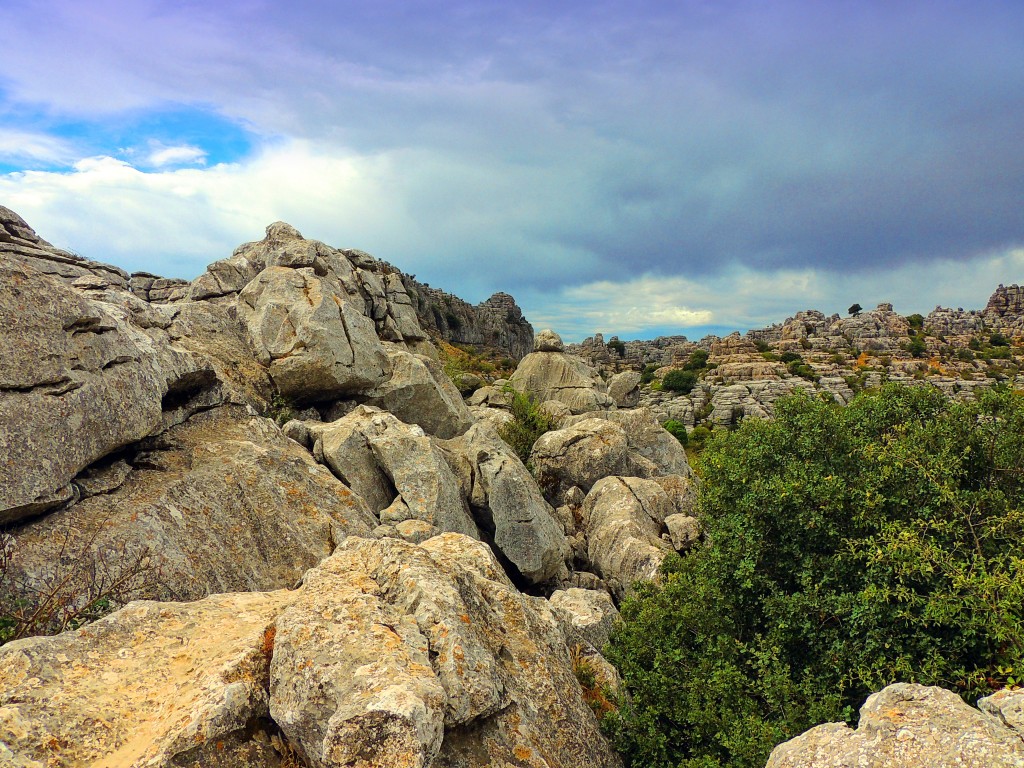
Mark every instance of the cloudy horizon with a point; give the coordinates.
(670, 168)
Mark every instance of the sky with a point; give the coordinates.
(638, 169)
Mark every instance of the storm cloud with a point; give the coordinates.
(533, 147)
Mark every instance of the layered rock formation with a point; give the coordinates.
(911, 726)
(497, 323)
(390, 654)
(353, 578)
(548, 373)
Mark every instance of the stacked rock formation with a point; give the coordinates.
(356, 582)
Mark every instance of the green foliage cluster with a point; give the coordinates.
(677, 429)
(617, 346)
(528, 423)
(684, 379)
(845, 549)
(916, 321)
(679, 380)
(647, 375)
(917, 346)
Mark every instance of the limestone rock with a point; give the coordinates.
(548, 341)
(382, 459)
(1007, 707)
(624, 389)
(419, 392)
(623, 518)
(580, 455)
(156, 684)
(509, 505)
(20, 242)
(906, 726)
(222, 502)
(398, 655)
(587, 615)
(78, 381)
(311, 336)
(647, 438)
(553, 375)
(683, 531)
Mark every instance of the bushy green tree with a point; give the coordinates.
(679, 380)
(845, 549)
(677, 429)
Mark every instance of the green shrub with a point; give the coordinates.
(698, 360)
(699, 437)
(998, 340)
(528, 423)
(679, 380)
(916, 321)
(917, 347)
(617, 346)
(677, 429)
(762, 346)
(790, 357)
(647, 375)
(845, 549)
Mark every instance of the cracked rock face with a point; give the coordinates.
(390, 654)
(316, 343)
(144, 687)
(907, 726)
(553, 375)
(223, 502)
(462, 669)
(77, 382)
(509, 505)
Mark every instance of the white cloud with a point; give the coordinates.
(174, 221)
(162, 156)
(26, 145)
(742, 298)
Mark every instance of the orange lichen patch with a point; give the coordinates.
(522, 753)
(267, 648)
(465, 618)
(862, 360)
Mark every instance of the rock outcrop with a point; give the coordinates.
(907, 726)
(550, 374)
(508, 504)
(221, 503)
(390, 654)
(496, 323)
(78, 382)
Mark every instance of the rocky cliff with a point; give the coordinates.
(955, 350)
(496, 323)
(250, 520)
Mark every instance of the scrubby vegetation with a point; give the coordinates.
(528, 423)
(845, 548)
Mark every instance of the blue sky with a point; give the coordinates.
(640, 168)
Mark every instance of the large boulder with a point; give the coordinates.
(508, 504)
(586, 615)
(222, 502)
(550, 374)
(580, 455)
(646, 438)
(171, 685)
(382, 459)
(420, 392)
(623, 518)
(315, 341)
(390, 654)
(398, 655)
(624, 389)
(907, 726)
(78, 381)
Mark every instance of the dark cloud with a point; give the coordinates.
(564, 143)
